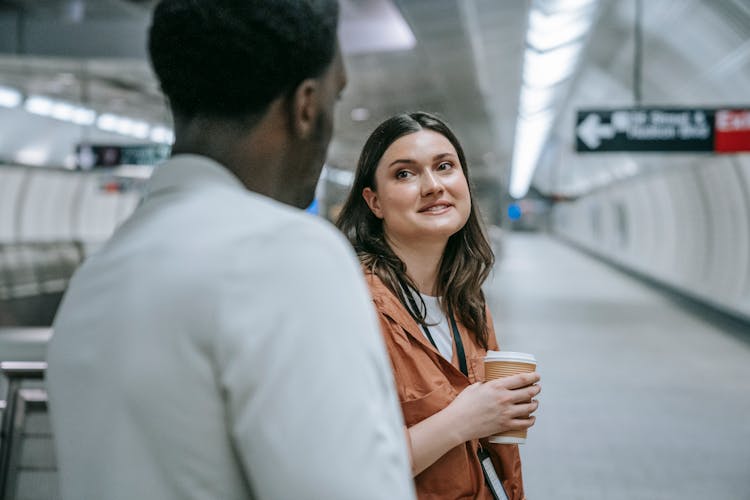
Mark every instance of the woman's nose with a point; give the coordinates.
(430, 183)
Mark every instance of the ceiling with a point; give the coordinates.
(466, 65)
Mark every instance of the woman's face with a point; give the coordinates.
(421, 191)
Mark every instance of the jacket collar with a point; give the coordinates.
(186, 171)
(388, 304)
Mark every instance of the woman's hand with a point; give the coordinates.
(481, 410)
(487, 408)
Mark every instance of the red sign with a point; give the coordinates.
(732, 131)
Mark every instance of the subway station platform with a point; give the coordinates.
(644, 396)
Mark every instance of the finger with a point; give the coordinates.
(524, 410)
(517, 381)
(518, 424)
(524, 394)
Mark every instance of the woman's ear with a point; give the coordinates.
(371, 198)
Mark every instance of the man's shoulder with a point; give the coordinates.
(253, 233)
(310, 244)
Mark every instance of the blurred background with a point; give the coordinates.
(608, 146)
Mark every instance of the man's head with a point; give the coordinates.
(231, 62)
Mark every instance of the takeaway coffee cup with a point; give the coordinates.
(498, 364)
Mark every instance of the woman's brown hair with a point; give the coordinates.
(467, 259)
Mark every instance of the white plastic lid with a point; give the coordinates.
(518, 357)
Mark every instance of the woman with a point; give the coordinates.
(417, 230)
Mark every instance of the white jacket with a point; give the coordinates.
(222, 346)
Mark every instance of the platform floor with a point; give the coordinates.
(642, 396)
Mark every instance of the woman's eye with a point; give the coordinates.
(445, 165)
(402, 174)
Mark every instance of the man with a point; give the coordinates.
(221, 345)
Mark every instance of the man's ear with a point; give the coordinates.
(305, 107)
(371, 198)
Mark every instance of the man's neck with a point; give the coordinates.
(252, 153)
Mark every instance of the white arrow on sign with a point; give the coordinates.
(592, 131)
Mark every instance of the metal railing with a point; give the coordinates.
(27, 460)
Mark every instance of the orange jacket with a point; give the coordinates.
(426, 383)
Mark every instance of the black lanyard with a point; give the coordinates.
(454, 328)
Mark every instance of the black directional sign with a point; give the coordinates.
(639, 129)
(102, 155)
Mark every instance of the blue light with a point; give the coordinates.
(514, 211)
(313, 208)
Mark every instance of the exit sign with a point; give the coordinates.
(724, 130)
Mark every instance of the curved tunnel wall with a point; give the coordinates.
(43, 205)
(687, 227)
(50, 219)
(680, 218)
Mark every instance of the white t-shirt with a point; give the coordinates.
(441, 331)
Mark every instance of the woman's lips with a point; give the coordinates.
(436, 208)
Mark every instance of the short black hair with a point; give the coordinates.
(231, 58)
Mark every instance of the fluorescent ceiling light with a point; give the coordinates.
(542, 69)
(557, 30)
(531, 135)
(536, 114)
(84, 116)
(62, 111)
(535, 100)
(10, 97)
(124, 126)
(562, 5)
(107, 122)
(161, 134)
(139, 130)
(373, 26)
(39, 105)
(549, 31)
(360, 114)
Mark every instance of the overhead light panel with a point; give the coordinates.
(555, 6)
(554, 41)
(373, 26)
(39, 105)
(10, 97)
(542, 69)
(360, 114)
(537, 99)
(139, 129)
(107, 122)
(62, 111)
(531, 134)
(79, 115)
(84, 116)
(549, 31)
(161, 134)
(124, 126)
